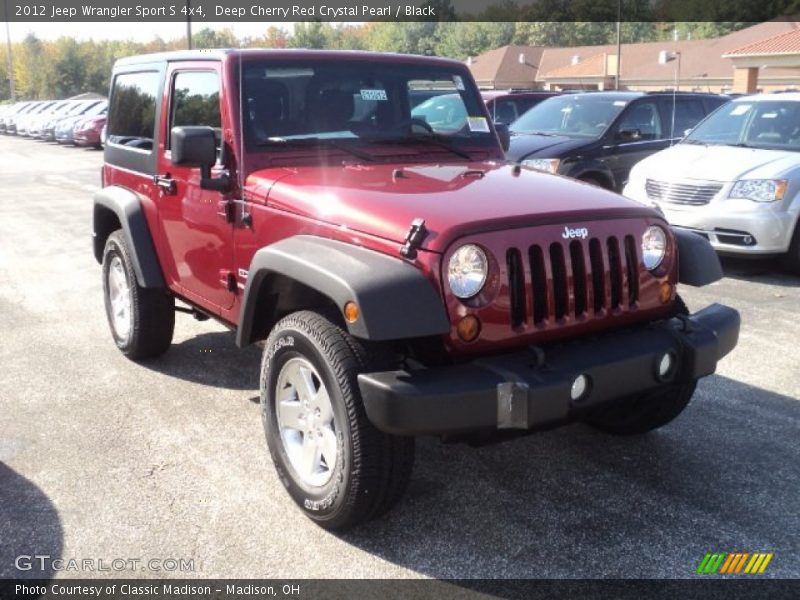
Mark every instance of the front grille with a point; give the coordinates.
(680, 193)
(571, 281)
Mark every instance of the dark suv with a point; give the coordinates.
(506, 106)
(402, 278)
(598, 136)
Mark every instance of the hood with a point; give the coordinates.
(530, 145)
(716, 163)
(454, 199)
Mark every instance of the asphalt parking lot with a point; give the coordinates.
(102, 458)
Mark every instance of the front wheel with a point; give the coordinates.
(336, 466)
(643, 412)
(791, 260)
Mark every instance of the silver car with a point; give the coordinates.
(734, 179)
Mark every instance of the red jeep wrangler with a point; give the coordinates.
(403, 278)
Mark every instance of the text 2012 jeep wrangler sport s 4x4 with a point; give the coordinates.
(403, 278)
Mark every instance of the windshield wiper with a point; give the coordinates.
(313, 141)
(544, 133)
(427, 139)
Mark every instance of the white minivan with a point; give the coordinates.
(734, 178)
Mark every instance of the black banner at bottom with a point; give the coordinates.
(364, 589)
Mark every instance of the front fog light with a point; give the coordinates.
(467, 271)
(579, 387)
(654, 247)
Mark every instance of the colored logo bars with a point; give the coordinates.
(724, 563)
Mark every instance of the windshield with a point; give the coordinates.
(771, 124)
(578, 116)
(344, 103)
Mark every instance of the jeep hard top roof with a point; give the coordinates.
(285, 54)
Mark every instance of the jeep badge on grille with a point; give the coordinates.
(569, 234)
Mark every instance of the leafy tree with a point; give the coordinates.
(409, 37)
(460, 40)
(313, 34)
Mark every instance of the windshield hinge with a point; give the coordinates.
(416, 233)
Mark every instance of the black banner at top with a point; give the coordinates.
(232, 11)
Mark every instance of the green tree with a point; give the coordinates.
(312, 34)
(407, 37)
(460, 40)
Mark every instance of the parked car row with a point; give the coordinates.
(78, 122)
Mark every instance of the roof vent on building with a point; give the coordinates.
(575, 60)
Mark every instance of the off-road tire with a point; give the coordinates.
(373, 469)
(645, 412)
(152, 310)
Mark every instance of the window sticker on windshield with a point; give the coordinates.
(375, 95)
(769, 115)
(478, 124)
(458, 82)
(620, 102)
(740, 110)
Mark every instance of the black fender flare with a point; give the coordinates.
(395, 299)
(698, 263)
(129, 212)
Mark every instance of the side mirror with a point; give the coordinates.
(504, 135)
(196, 146)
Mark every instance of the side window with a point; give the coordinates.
(195, 101)
(505, 111)
(688, 113)
(133, 110)
(643, 118)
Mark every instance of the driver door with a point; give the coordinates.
(637, 134)
(193, 226)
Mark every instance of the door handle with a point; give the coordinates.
(166, 183)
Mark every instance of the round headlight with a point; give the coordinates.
(654, 247)
(467, 271)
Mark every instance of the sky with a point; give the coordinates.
(137, 32)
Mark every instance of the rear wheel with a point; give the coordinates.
(142, 320)
(336, 466)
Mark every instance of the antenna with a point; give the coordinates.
(246, 218)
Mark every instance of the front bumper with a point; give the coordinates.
(532, 389)
(739, 228)
(732, 225)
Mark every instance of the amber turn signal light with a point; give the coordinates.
(351, 312)
(665, 292)
(468, 328)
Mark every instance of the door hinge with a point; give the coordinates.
(227, 210)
